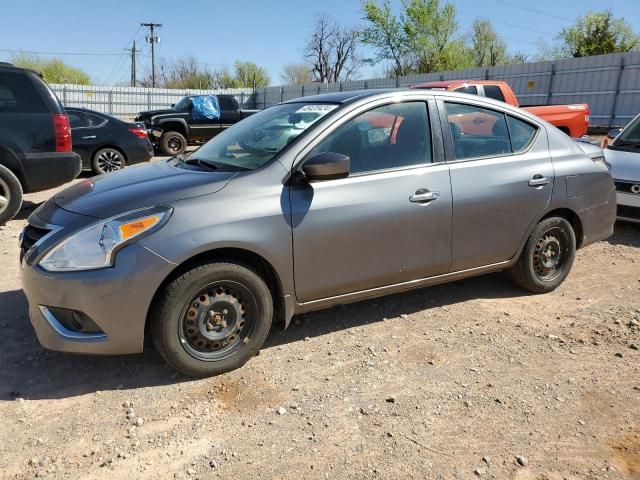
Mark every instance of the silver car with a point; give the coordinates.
(354, 195)
(623, 154)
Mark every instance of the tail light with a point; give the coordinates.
(139, 132)
(62, 132)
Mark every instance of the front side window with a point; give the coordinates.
(254, 141)
(390, 136)
(227, 103)
(77, 119)
(183, 105)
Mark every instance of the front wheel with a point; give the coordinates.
(212, 319)
(547, 257)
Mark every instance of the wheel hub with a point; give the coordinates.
(214, 321)
(548, 258)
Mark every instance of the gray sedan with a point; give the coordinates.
(623, 154)
(354, 195)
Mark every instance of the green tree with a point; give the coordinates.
(599, 33)
(250, 75)
(423, 38)
(487, 48)
(296, 74)
(53, 70)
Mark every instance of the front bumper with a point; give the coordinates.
(628, 207)
(115, 299)
(43, 171)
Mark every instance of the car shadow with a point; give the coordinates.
(625, 233)
(26, 209)
(29, 371)
(323, 322)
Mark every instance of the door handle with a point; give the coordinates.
(539, 181)
(424, 196)
(89, 137)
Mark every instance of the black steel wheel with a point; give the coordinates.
(107, 160)
(173, 144)
(547, 257)
(212, 318)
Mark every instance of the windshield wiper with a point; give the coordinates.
(201, 162)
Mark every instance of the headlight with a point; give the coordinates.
(95, 246)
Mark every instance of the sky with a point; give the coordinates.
(269, 33)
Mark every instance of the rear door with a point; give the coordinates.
(501, 180)
(390, 221)
(87, 134)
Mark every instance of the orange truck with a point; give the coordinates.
(571, 119)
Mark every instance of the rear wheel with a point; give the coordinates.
(212, 319)
(107, 160)
(173, 144)
(10, 195)
(547, 257)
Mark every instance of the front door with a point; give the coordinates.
(388, 222)
(501, 179)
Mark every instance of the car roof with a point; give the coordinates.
(12, 67)
(342, 97)
(452, 83)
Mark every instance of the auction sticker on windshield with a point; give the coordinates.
(317, 108)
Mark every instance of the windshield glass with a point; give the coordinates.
(630, 135)
(183, 104)
(254, 141)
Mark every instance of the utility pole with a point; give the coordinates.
(132, 52)
(152, 39)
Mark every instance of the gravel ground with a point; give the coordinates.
(471, 379)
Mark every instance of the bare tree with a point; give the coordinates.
(331, 50)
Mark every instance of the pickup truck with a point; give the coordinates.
(195, 118)
(571, 119)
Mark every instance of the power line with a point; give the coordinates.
(506, 23)
(534, 10)
(117, 64)
(60, 53)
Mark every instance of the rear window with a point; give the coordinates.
(493, 91)
(18, 95)
(521, 133)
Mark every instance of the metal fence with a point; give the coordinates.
(126, 102)
(610, 84)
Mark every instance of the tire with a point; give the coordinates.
(547, 257)
(212, 319)
(107, 160)
(10, 195)
(173, 144)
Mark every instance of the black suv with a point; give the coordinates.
(35, 139)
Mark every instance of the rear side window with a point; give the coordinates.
(493, 91)
(96, 120)
(471, 89)
(482, 132)
(386, 137)
(521, 133)
(18, 95)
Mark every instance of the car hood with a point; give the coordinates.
(137, 187)
(624, 165)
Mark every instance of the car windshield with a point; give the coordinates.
(183, 104)
(630, 135)
(254, 141)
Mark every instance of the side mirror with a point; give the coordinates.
(326, 166)
(614, 133)
(173, 105)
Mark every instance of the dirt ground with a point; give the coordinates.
(471, 379)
